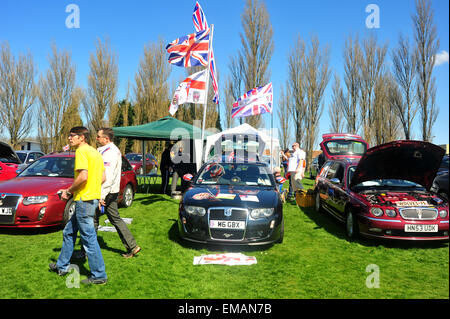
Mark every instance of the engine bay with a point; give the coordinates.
(403, 198)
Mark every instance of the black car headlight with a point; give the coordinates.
(261, 212)
(195, 210)
(34, 200)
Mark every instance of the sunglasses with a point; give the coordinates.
(72, 135)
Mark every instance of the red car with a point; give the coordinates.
(9, 162)
(30, 199)
(336, 146)
(135, 160)
(386, 194)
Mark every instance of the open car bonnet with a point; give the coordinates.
(7, 154)
(415, 161)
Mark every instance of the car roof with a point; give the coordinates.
(224, 160)
(346, 161)
(60, 154)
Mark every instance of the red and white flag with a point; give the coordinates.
(66, 148)
(191, 90)
(200, 24)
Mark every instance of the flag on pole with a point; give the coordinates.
(201, 24)
(256, 101)
(191, 90)
(199, 18)
(189, 50)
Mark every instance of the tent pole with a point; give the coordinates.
(206, 91)
(143, 156)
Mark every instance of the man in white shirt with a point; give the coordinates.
(296, 168)
(112, 160)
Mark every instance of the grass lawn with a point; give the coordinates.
(314, 261)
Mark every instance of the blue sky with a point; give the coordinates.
(33, 25)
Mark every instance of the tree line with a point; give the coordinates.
(371, 99)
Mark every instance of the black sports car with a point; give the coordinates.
(232, 203)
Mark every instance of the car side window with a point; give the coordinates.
(324, 169)
(339, 172)
(125, 165)
(332, 170)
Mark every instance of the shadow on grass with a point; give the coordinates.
(80, 264)
(175, 237)
(30, 231)
(153, 198)
(331, 225)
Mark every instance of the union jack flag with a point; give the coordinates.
(256, 101)
(201, 24)
(199, 18)
(189, 50)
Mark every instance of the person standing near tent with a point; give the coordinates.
(296, 164)
(166, 168)
(112, 159)
(86, 190)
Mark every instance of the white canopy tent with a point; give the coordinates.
(244, 137)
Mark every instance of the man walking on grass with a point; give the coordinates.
(112, 159)
(86, 190)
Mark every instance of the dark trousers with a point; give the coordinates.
(165, 177)
(112, 212)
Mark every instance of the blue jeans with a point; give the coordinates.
(83, 221)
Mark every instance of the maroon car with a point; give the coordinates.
(135, 160)
(30, 199)
(386, 194)
(337, 146)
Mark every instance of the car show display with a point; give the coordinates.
(31, 200)
(232, 202)
(386, 194)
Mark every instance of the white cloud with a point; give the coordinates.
(441, 58)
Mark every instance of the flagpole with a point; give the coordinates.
(271, 137)
(206, 89)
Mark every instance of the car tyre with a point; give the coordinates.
(317, 204)
(68, 211)
(351, 226)
(128, 196)
(280, 240)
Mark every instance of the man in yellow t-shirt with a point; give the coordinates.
(86, 190)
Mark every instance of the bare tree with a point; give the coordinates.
(371, 67)
(296, 88)
(257, 49)
(352, 79)
(317, 75)
(102, 85)
(337, 107)
(404, 71)
(17, 93)
(384, 121)
(71, 116)
(151, 87)
(284, 116)
(55, 96)
(427, 45)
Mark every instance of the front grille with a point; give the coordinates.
(229, 214)
(227, 234)
(8, 207)
(418, 213)
(221, 213)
